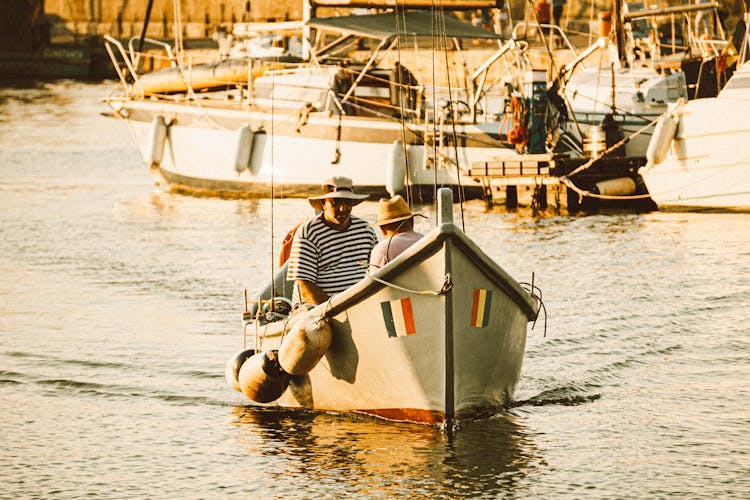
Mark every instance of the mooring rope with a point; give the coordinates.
(582, 192)
(447, 285)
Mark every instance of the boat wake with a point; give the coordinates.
(568, 395)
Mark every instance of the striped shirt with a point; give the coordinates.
(330, 258)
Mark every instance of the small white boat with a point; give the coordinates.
(699, 157)
(435, 336)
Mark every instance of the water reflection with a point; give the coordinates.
(483, 458)
(23, 92)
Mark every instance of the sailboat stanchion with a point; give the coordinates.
(445, 206)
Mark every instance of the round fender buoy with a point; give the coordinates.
(395, 173)
(244, 148)
(262, 379)
(232, 370)
(620, 186)
(157, 137)
(305, 344)
(661, 141)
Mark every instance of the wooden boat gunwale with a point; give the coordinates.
(425, 248)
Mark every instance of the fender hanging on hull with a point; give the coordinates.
(262, 379)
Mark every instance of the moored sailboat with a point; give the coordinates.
(237, 127)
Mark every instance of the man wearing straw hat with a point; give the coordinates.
(396, 222)
(327, 251)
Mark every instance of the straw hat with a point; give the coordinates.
(336, 187)
(394, 210)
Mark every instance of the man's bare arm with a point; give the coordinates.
(311, 293)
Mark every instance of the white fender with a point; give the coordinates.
(157, 137)
(621, 186)
(244, 148)
(395, 173)
(262, 379)
(305, 344)
(661, 141)
(232, 370)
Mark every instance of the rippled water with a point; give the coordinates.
(120, 305)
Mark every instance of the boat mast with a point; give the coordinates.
(145, 25)
(618, 30)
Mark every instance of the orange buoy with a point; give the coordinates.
(605, 23)
(286, 245)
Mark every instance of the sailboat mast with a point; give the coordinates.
(618, 29)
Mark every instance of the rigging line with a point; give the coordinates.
(401, 20)
(545, 41)
(613, 147)
(555, 71)
(273, 183)
(453, 122)
(598, 79)
(617, 109)
(433, 19)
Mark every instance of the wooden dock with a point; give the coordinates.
(558, 181)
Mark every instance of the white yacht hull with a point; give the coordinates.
(201, 143)
(708, 165)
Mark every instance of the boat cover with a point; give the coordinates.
(413, 23)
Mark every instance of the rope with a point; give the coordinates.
(618, 144)
(447, 285)
(536, 292)
(583, 192)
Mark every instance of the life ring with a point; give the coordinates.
(520, 134)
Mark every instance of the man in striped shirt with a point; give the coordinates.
(328, 250)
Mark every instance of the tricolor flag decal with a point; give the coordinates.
(480, 307)
(398, 317)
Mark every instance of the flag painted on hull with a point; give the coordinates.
(398, 317)
(480, 307)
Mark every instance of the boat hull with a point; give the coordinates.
(409, 356)
(708, 166)
(293, 153)
(636, 145)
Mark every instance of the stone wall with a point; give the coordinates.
(200, 17)
(125, 17)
